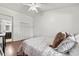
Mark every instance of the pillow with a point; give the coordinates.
(66, 45)
(58, 39)
(77, 38)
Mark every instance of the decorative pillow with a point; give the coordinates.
(58, 39)
(66, 45)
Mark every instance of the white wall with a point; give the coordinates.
(19, 19)
(50, 22)
(47, 23)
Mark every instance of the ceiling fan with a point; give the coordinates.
(33, 7)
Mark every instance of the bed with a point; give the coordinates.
(39, 46)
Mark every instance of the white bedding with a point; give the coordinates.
(52, 52)
(39, 46)
(36, 46)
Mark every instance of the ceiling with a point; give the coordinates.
(20, 7)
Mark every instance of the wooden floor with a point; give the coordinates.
(14, 49)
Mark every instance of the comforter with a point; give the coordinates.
(38, 46)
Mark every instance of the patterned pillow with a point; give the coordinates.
(58, 39)
(66, 45)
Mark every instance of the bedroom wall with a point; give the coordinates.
(19, 20)
(52, 21)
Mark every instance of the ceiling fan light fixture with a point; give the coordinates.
(33, 7)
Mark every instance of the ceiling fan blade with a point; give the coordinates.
(38, 5)
(30, 9)
(29, 4)
(36, 10)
